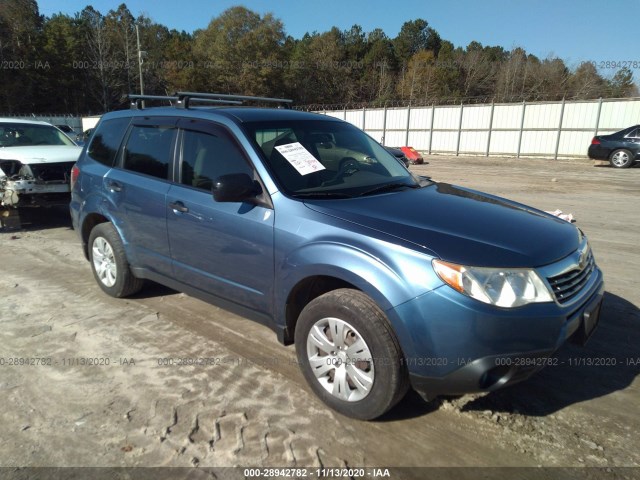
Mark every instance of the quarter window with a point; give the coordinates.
(148, 150)
(106, 140)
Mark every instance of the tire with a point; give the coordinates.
(348, 165)
(109, 262)
(373, 375)
(621, 158)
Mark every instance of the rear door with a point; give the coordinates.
(137, 189)
(225, 249)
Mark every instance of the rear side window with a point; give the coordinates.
(106, 141)
(148, 150)
(634, 134)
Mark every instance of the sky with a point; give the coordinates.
(573, 30)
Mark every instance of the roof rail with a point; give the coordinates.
(184, 99)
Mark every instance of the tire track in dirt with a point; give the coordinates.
(238, 414)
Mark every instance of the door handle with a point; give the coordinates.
(114, 186)
(178, 207)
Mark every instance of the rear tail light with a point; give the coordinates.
(75, 171)
(595, 141)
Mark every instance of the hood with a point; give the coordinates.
(41, 154)
(462, 226)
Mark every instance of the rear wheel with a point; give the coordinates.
(350, 355)
(109, 262)
(621, 159)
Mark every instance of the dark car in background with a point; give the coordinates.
(66, 129)
(621, 149)
(406, 155)
(399, 154)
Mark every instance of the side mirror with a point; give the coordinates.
(235, 187)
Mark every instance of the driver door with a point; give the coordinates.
(224, 249)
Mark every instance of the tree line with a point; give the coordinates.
(87, 62)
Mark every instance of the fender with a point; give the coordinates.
(388, 282)
(97, 203)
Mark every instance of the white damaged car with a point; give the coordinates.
(35, 163)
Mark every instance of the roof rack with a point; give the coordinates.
(137, 100)
(183, 99)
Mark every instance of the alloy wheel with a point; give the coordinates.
(104, 262)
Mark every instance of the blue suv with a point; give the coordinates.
(302, 222)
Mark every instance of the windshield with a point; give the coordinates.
(327, 159)
(27, 135)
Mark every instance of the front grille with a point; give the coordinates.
(57, 172)
(567, 285)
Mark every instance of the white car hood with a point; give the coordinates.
(41, 154)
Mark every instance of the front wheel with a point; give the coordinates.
(109, 262)
(621, 159)
(350, 355)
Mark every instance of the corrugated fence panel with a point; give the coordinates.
(444, 141)
(74, 122)
(446, 118)
(473, 142)
(504, 143)
(418, 140)
(538, 143)
(396, 119)
(375, 134)
(545, 115)
(395, 139)
(421, 118)
(476, 117)
(336, 114)
(539, 135)
(574, 143)
(617, 115)
(507, 116)
(374, 119)
(580, 115)
(355, 117)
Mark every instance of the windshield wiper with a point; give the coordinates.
(387, 187)
(321, 195)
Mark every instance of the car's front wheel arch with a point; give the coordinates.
(350, 355)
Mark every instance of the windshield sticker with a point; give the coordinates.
(300, 158)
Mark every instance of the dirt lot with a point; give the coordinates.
(250, 406)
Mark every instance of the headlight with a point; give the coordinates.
(502, 287)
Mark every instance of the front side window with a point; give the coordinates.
(206, 156)
(327, 159)
(148, 150)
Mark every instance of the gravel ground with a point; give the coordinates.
(96, 390)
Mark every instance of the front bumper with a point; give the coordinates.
(473, 347)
